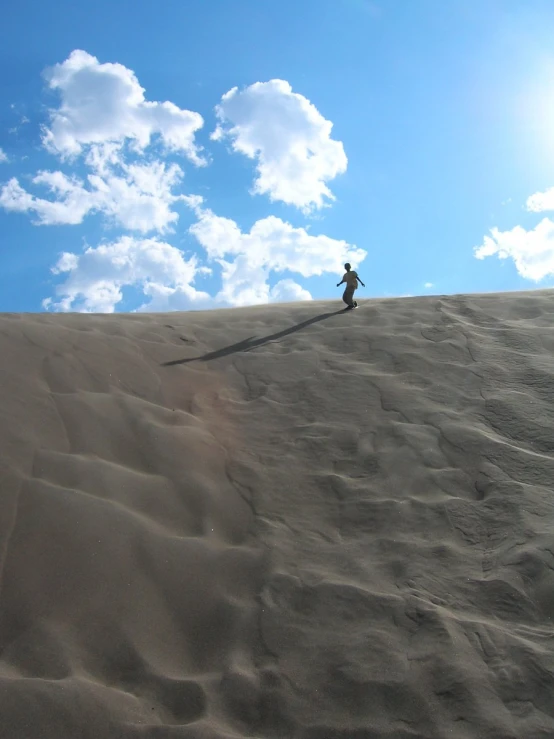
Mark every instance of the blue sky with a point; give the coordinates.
(209, 153)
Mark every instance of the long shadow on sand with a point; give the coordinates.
(251, 343)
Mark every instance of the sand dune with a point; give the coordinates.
(285, 521)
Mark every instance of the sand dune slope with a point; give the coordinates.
(285, 521)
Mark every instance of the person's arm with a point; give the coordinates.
(340, 283)
(360, 280)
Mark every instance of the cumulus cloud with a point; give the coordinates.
(103, 114)
(245, 283)
(531, 251)
(104, 102)
(141, 198)
(541, 201)
(95, 279)
(271, 245)
(3, 156)
(165, 298)
(428, 285)
(274, 242)
(73, 202)
(289, 139)
(103, 124)
(288, 291)
(138, 196)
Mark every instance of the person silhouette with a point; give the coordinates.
(351, 278)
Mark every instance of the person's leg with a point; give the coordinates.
(347, 296)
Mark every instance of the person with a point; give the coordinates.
(351, 278)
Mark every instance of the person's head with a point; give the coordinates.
(347, 267)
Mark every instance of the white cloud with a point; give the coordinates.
(3, 156)
(165, 298)
(272, 245)
(531, 251)
(289, 138)
(102, 116)
(105, 103)
(73, 204)
(428, 285)
(243, 282)
(136, 196)
(541, 201)
(103, 109)
(288, 291)
(95, 279)
(140, 197)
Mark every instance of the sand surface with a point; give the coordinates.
(284, 521)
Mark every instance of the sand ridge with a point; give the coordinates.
(282, 521)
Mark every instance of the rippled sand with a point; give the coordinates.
(284, 521)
